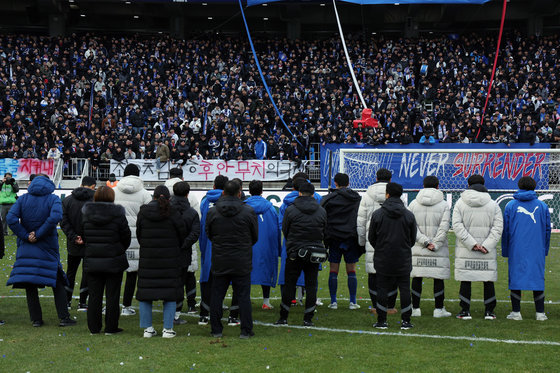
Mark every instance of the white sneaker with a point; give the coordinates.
(128, 311)
(541, 316)
(354, 306)
(514, 316)
(149, 332)
(318, 302)
(441, 312)
(416, 312)
(333, 306)
(168, 333)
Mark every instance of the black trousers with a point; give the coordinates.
(34, 305)
(489, 296)
(292, 272)
(384, 284)
(242, 287)
(71, 271)
(372, 285)
(111, 284)
(439, 292)
(206, 299)
(538, 296)
(188, 281)
(129, 287)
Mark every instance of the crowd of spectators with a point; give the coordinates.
(203, 98)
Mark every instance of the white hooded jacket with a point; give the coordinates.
(374, 197)
(130, 194)
(477, 219)
(432, 219)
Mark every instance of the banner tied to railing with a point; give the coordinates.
(207, 170)
(22, 168)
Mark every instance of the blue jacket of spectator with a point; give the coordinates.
(260, 149)
(267, 249)
(430, 140)
(288, 200)
(204, 242)
(526, 240)
(37, 211)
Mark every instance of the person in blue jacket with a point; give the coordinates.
(260, 148)
(267, 249)
(525, 242)
(205, 244)
(288, 200)
(33, 219)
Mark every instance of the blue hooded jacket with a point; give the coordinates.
(288, 200)
(37, 211)
(204, 242)
(260, 149)
(526, 240)
(267, 249)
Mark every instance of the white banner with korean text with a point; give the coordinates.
(207, 170)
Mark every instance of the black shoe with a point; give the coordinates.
(232, 321)
(82, 307)
(67, 322)
(281, 322)
(37, 323)
(464, 315)
(2, 322)
(381, 325)
(308, 323)
(405, 325)
(246, 335)
(489, 315)
(217, 335)
(119, 330)
(69, 305)
(203, 320)
(192, 310)
(179, 321)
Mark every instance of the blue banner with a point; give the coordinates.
(500, 170)
(379, 2)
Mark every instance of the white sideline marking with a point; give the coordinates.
(344, 299)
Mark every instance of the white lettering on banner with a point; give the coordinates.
(428, 164)
(207, 170)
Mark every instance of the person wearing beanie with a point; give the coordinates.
(392, 232)
(477, 222)
(161, 233)
(526, 242)
(71, 224)
(130, 194)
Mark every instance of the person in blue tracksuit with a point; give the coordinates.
(267, 249)
(288, 200)
(260, 148)
(525, 242)
(33, 219)
(205, 244)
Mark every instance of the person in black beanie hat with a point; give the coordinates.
(392, 232)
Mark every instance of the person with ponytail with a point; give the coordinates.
(161, 233)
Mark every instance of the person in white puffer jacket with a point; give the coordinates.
(478, 224)
(430, 254)
(371, 201)
(130, 194)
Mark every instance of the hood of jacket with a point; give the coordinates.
(394, 207)
(307, 205)
(229, 206)
(290, 197)
(258, 203)
(475, 198)
(525, 195)
(41, 186)
(214, 194)
(377, 191)
(102, 212)
(83, 194)
(169, 184)
(429, 196)
(130, 184)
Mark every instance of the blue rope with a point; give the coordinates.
(262, 75)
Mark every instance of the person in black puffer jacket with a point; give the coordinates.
(106, 236)
(180, 202)
(392, 232)
(303, 225)
(161, 233)
(232, 227)
(70, 224)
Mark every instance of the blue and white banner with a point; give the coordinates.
(500, 170)
(379, 2)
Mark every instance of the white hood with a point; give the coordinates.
(475, 198)
(377, 192)
(429, 196)
(130, 184)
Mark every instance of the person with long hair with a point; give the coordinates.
(106, 236)
(161, 233)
